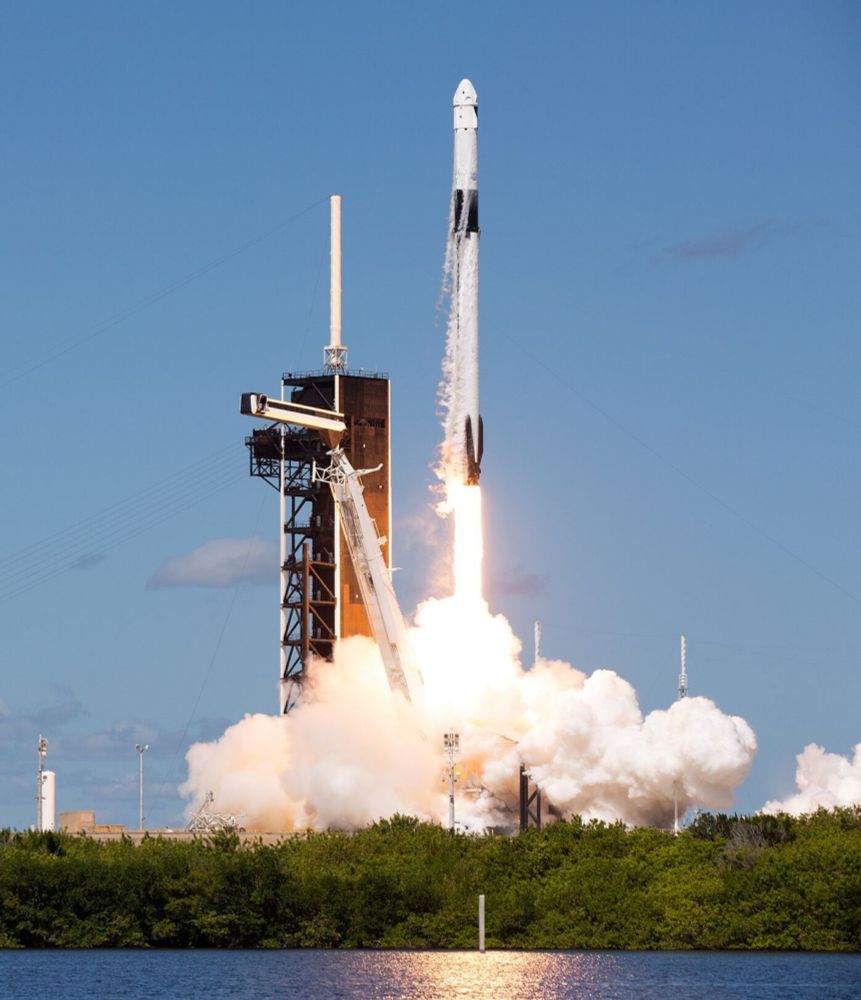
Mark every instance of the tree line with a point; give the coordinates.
(726, 882)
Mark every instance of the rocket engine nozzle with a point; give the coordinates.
(473, 454)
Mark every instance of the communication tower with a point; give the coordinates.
(41, 753)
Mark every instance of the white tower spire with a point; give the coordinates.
(335, 354)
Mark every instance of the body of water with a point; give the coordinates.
(417, 975)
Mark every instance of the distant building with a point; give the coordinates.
(84, 821)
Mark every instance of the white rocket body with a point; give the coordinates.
(465, 233)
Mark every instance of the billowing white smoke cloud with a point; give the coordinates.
(352, 752)
(824, 780)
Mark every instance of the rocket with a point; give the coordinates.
(465, 236)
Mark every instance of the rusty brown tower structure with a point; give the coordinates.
(320, 601)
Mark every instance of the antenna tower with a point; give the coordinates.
(41, 750)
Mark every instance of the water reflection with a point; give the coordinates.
(366, 975)
(500, 975)
(593, 975)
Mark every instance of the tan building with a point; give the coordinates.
(84, 821)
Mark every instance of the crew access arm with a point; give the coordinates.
(363, 542)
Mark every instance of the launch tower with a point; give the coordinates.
(320, 600)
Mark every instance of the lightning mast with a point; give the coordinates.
(335, 354)
(683, 693)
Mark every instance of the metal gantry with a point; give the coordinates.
(285, 459)
(207, 821)
(530, 803)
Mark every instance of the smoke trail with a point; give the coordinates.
(824, 780)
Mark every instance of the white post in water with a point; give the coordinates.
(481, 923)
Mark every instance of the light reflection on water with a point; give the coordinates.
(504, 975)
(366, 975)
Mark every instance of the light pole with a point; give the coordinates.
(141, 749)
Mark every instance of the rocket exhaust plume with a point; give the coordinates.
(352, 751)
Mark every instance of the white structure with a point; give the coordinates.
(204, 821)
(536, 634)
(464, 316)
(48, 805)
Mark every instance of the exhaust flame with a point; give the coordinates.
(465, 504)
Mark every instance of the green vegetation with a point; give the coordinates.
(726, 882)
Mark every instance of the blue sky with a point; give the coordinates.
(670, 303)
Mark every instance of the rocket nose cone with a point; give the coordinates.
(465, 95)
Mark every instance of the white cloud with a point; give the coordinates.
(221, 562)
